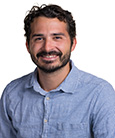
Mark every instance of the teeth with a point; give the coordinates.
(50, 56)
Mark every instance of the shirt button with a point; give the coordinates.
(45, 120)
(48, 98)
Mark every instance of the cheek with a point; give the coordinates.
(34, 49)
(65, 48)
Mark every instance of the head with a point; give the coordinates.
(50, 33)
(50, 11)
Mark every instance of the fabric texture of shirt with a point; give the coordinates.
(83, 106)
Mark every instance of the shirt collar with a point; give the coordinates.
(69, 85)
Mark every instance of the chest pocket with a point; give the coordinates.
(66, 130)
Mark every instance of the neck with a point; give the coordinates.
(50, 81)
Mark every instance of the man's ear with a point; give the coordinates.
(74, 44)
(27, 46)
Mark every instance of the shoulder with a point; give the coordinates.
(88, 78)
(90, 82)
(100, 88)
(18, 83)
(85, 78)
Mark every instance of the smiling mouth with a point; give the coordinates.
(49, 55)
(49, 58)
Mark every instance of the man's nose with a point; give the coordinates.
(48, 45)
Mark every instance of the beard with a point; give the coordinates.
(48, 68)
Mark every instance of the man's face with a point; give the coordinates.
(50, 45)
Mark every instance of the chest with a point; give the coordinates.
(61, 115)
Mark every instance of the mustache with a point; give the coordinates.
(44, 53)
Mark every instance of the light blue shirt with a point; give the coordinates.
(83, 106)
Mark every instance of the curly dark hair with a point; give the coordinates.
(50, 11)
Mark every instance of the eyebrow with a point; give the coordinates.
(53, 34)
(58, 34)
(35, 35)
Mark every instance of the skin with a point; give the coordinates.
(50, 34)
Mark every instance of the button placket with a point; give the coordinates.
(47, 98)
(46, 114)
(45, 120)
(46, 109)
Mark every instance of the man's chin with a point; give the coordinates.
(49, 68)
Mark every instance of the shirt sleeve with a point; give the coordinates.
(104, 113)
(6, 127)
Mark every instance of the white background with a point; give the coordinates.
(94, 53)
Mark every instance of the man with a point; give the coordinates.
(57, 100)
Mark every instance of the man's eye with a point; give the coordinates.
(57, 37)
(39, 39)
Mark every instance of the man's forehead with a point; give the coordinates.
(45, 20)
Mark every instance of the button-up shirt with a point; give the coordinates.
(83, 106)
